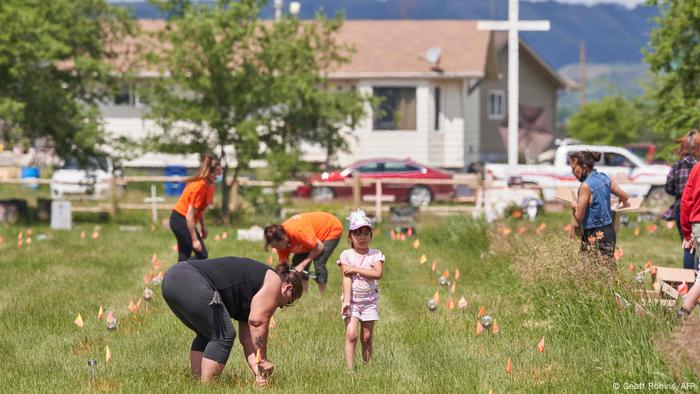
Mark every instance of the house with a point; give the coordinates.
(443, 86)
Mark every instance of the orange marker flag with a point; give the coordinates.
(409, 232)
(29, 241)
(132, 307)
(670, 225)
(20, 242)
(273, 323)
(423, 259)
(496, 328)
(479, 328)
(257, 357)
(79, 321)
(29, 232)
(541, 228)
(617, 255)
(631, 268)
(522, 230)
(108, 354)
(509, 366)
(416, 244)
(19, 235)
(174, 248)
(95, 234)
(2, 239)
(457, 275)
(683, 288)
(269, 260)
(653, 270)
(540, 345)
(453, 287)
(138, 303)
(507, 230)
(217, 237)
(462, 303)
(647, 264)
(402, 237)
(224, 235)
(450, 304)
(100, 313)
(568, 228)
(82, 235)
(434, 266)
(636, 231)
(482, 312)
(446, 274)
(436, 296)
(392, 235)
(652, 228)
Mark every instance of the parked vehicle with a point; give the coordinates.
(92, 178)
(646, 151)
(634, 175)
(416, 193)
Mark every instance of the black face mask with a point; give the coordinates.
(583, 178)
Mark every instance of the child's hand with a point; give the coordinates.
(347, 270)
(345, 309)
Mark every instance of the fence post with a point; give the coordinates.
(114, 206)
(234, 196)
(356, 191)
(378, 202)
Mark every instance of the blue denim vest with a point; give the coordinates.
(598, 213)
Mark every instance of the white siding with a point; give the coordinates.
(472, 116)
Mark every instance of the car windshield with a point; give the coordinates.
(91, 163)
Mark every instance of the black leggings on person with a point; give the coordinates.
(189, 295)
(178, 225)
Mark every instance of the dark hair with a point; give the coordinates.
(273, 233)
(688, 144)
(585, 158)
(350, 232)
(292, 277)
(208, 165)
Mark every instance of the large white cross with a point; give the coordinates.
(513, 26)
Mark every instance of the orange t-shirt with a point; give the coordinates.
(198, 194)
(305, 229)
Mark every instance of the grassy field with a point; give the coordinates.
(534, 285)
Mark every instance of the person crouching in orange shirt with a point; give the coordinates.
(189, 210)
(311, 236)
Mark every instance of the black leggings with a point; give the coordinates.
(189, 294)
(178, 225)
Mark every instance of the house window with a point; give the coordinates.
(396, 109)
(496, 104)
(437, 97)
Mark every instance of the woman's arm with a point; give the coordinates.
(311, 256)
(189, 218)
(670, 185)
(621, 194)
(581, 204)
(374, 273)
(262, 307)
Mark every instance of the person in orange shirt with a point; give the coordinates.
(189, 210)
(311, 236)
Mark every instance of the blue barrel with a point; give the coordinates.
(27, 173)
(175, 188)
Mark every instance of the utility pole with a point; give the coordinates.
(582, 74)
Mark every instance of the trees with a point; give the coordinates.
(53, 71)
(674, 57)
(613, 120)
(249, 89)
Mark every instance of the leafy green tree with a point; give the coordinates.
(54, 70)
(674, 57)
(246, 88)
(613, 120)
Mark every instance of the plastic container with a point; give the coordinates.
(175, 188)
(28, 173)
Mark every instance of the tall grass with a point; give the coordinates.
(590, 342)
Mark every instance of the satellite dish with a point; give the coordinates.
(433, 55)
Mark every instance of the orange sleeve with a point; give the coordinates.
(200, 197)
(283, 255)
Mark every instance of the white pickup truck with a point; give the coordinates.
(634, 175)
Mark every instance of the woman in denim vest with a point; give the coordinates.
(592, 208)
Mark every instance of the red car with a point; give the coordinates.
(417, 193)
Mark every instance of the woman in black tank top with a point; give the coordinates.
(207, 294)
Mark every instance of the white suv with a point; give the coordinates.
(92, 179)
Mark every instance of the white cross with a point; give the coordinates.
(513, 25)
(153, 200)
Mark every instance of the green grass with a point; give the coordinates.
(590, 342)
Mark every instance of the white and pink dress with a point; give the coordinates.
(365, 292)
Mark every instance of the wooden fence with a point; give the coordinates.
(113, 205)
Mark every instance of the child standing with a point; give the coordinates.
(362, 268)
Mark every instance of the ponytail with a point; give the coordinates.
(585, 158)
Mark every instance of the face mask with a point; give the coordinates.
(219, 178)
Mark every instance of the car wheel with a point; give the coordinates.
(420, 196)
(322, 194)
(658, 198)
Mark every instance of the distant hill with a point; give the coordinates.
(613, 34)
